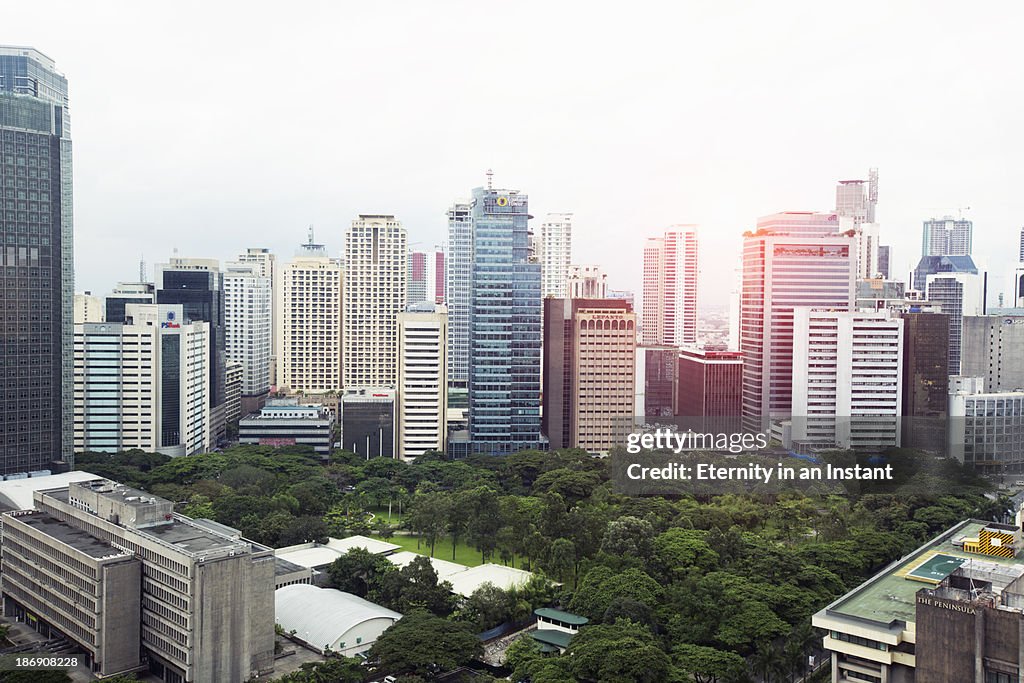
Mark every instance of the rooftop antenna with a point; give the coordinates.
(490, 179)
(310, 234)
(142, 268)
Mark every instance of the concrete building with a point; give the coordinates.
(143, 383)
(197, 284)
(1017, 297)
(36, 226)
(368, 421)
(589, 363)
(329, 620)
(879, 294)
(88, 308)
(657, 381)
(459, 275)
(782, 272)
(925, 378)
(950, 611)
(202, 611)
(555, 254)
(422, 392)
(800, 223)
(375, 293)
(426, 277)
(993, 348)
(127, 293)
(958, 295)
(587, 282)
(710, 383)
(986, 428)
(847, 368)
(234, 378)
(946, 236)
(282, 423)
(248, 328)
(266, 264)
(885, 261)
(669, 314)
(308, 319)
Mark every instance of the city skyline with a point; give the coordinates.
(637, 158)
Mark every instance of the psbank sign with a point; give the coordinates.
(170, 321)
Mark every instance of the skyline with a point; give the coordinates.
(755, 127)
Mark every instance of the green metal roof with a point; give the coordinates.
(547, 636)
(559, 615)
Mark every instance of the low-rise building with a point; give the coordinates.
(329, 620)
(368, 421)
(289, 425)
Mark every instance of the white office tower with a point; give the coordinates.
(422, 392)
(586, 282)
(1018, 275)
(958, 295)
(554, 250)
(946, 236)
(88, 308)
(669, 314)
(248, 330)
(846, 378)
(782, 272)
(143, 383)
(308, 322)
(459, 266)
(266, 262)
(375, 281)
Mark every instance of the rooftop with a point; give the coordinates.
(558, 615)
(313, 555)
(890, 596)
(16, 494)
(500, 576)
(444, 568)
(69, 535)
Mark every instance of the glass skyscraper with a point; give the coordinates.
(36, 346)
(504, 327)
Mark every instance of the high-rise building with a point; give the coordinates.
(925, 377)
(308, 319)
(198, 285)
(368, 421)
(459, 265)
(799, 223)
(587, 282)
(422, 392)
(657, 381)
(38, 277)
(781, 272)
(993, 348)
(248, 331)
(189, 596)
(555, 254)
(1018, 275)
(958, 295)
(426, 277)
(88, 308)
(856, 202)
(847, 368)
(946, 236)
(884, 261)
(127, 293)
(504, 327)
(933, 265)
(669, 314)
(880, 294)
(266, 263)
(589, 385)
(234, 378)
(143, 383)
(375, 281)
(710, 383)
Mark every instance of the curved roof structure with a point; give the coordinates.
(323, 616)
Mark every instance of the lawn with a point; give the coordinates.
(464, 554)
(382, 513)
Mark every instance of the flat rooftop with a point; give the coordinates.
(121, 493)
(891, 594)
(69, 535)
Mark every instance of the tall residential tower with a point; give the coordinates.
(669, 314)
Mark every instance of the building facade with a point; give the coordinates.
(234, 381)
(847, 378)
(459, 275)
(958, 295)
(657, 381)
(587, 282)
(375, 293)
(710, 383)
(368, 421)
(248, 329)
(669, 314)
(289, 424)
(308, 319)
(589, 363)
(38, 275)
(993, 348)
(88, 308)
(986, 428)
(426, 277)
(946, 236)
(925, 378)
(422, 392)
(127, 293)
(555, 254)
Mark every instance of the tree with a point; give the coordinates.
(359, 571)
(679, 551)
(601, 586)
(333, 670)
(628, 537)
(562, 560)
(424, 644)
(429, 516)
(622, 652)
(707, 664)
(415, 586)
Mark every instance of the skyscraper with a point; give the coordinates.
(555, 253)
(1018, 275)
(459, 262)
(504, 326)
(958, 295)
(710, 383)
(88, 308)
(198, 285)
(884, 259)
(946, 236)
(375, 282)
(925, 378)
(426, 277)
(38, 277)
(248, 336)
(656, 374)
(993, 348)
(780, 272)
(308, 321)
(587, 282)
(127, 293)
(669, 312)
(421, 398)
(267, 264)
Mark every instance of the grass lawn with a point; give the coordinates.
(464, 554)
(382, 513)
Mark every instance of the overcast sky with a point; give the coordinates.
(211, 127)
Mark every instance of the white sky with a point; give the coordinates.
(213, 128)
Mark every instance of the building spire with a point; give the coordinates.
(490, 179)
